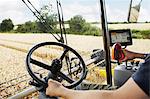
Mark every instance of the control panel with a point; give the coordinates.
(124, 71)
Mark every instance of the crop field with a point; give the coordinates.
(14, 48)
(132, 26)
(135, 26)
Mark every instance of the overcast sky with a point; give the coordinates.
(117, 10)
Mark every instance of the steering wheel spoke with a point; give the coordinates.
(60, 74)
(40, 64)
(64, 54)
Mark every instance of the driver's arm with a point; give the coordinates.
(129, 90)
(129, 55)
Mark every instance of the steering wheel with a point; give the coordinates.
(56, 65)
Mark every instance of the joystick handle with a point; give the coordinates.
(117, 52)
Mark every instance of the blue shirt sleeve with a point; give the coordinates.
(142, 76)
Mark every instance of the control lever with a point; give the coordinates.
(117, 52)
(33, 83)
(41, 89)
(99, 55)
(137, 63)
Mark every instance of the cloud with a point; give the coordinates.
(144, 15)
(114, 14)
(89, 12)
(15, 10)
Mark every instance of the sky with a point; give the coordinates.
(117, 10)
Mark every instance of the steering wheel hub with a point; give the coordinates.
(56, 66)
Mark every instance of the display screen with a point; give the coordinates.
(120, 36)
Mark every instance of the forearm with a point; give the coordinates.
(56, 89)
(96, 94)
(136, 55)
(139, 55)
(90, 94)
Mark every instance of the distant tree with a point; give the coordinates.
(30, 26)
(91, 30)
(77, 23)
(49, 17)
(27, 27)
(6, 25)
(20, 28)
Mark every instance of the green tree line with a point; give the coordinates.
(77, 25)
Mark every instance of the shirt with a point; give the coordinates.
(142, 76)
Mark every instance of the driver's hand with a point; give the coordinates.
(54, 88)
(128, 55)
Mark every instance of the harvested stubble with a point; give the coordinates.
(13, 52)
(18, 55)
